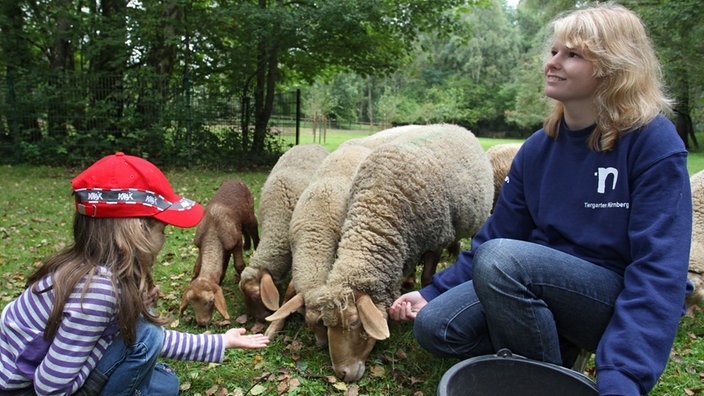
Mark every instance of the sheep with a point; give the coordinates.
(410, 198)
(271, 262)
(501, 157)
(401, 134)
(229, 226)
(314, 237)
(696, 255)
(384, 136)
(315, 228)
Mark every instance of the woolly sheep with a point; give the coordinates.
(501, 157)
(409, 199)
(696, 255)
(229, 226)
(385, 136)
(315, 229)
(271, 262)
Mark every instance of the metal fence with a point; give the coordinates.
(75, 118)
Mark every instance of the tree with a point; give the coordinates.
(285, 41)
(676, 28)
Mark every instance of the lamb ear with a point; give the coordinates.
(287, 309)
(184, 300)
(372, 318)
(269, 292)
(220, 304)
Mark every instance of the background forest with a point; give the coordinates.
(196, 80)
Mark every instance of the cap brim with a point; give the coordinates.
(184, 218)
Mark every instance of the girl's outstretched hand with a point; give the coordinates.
(235, 338)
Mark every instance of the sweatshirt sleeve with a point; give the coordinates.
(510, 219)
(636, 344)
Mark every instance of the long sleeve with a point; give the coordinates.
(648, 311)
(194, 347)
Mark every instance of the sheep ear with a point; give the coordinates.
(184, 300)
(220, 304)
(372, 318)
(287, 309)
(269, 292)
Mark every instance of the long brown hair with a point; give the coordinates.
(128, 247)
(630, 93)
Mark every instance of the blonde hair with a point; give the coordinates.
(128, 247)
(630, 92)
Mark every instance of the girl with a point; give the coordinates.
(588, 246)
(84, 323)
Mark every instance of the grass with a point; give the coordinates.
(35, 221)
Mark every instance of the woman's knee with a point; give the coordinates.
(490, 260)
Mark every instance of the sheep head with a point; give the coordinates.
(260, 293)
(354, 324)
(204, 296)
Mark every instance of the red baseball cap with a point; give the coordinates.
(122, 185)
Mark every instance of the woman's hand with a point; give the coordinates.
(407, 306)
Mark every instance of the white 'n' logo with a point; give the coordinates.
(603, 175)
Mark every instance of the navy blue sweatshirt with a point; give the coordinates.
(628, 210)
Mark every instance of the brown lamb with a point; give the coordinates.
(228, 228)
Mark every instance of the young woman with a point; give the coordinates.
(84, 324)
(588, 245)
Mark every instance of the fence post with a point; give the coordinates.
(298, 114)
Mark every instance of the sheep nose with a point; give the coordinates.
(351, 374)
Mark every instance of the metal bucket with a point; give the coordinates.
(508, 374)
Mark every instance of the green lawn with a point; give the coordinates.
(35, 221)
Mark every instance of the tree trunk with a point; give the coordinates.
(60, 61)
(267, 74)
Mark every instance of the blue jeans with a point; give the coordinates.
(536, 301)
(133, 371)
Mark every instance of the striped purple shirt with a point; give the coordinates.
(61, 366)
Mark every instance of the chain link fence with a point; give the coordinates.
(75, 118)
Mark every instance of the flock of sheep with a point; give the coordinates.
(349, 228)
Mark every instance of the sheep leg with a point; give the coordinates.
(225, 262)
(238, 258)
(430, 265)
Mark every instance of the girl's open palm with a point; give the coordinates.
(235, 338)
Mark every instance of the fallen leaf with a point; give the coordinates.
(257, 389)
(256, 328)
(401, 354)
(242, 319)
(341, 386)
(295, 345)
(377, 371)
(353, 390)
(282, 387)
